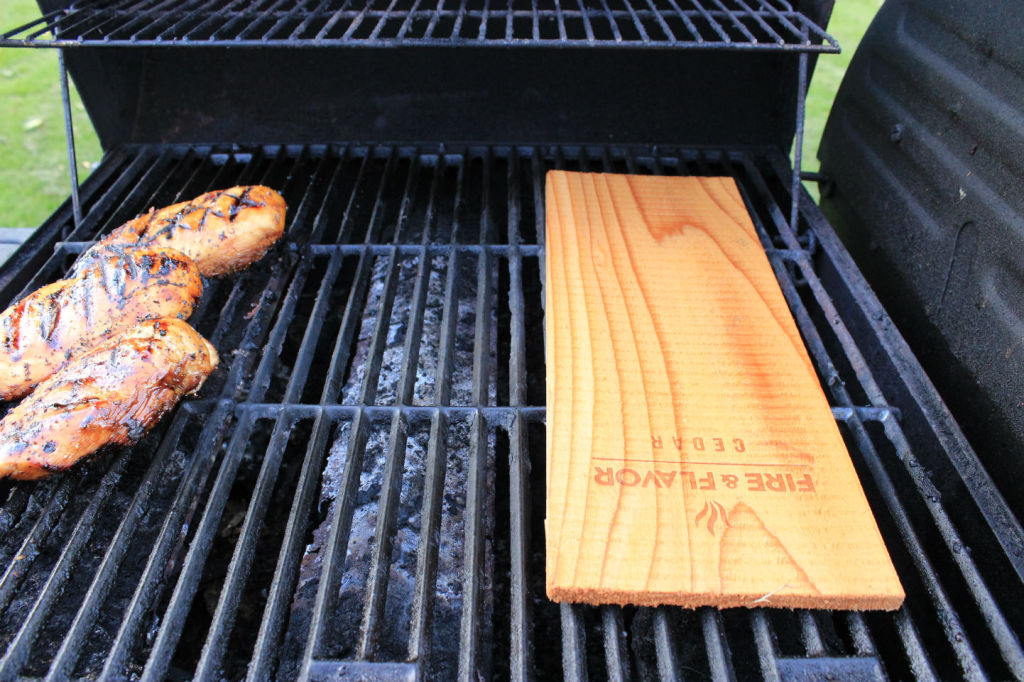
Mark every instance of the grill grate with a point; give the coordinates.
(703, 24)
(359, 488)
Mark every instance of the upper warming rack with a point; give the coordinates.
(765, 25)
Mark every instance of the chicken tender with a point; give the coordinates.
(221, 231)
(111, 395)
(121, 287)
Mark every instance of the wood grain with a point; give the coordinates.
(692, 458)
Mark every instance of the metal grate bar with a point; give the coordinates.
(860, 634)
(71, 648)
(1010, 533)
(615, 645)
(719, 656)
(766, 644)
(917, 655)
(574, 643)
(191, 571)
(949, 618)
(426, 559)
(668, 667)
(286, 569)
(521, 629)
(308, 23)
(337, 540)
(474, 549)
(19, 649)
(380, 560)
(470, 634)
(810, 634)
(194, 480)
(241, 562)
(30, 547)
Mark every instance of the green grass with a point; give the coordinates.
(33, 160)
(850, 19)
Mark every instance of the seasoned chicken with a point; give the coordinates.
(56, 323)
(111, 395)
(221, 231)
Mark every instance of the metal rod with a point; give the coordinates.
(574, 643)
(217, 639)
(69, 137)
(287, 568)
(421, 620)
(798, 143)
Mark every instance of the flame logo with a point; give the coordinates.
(714, 512)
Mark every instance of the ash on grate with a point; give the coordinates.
(428, 351)
(344, 630)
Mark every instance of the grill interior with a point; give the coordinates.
(707, 24)
(359, 487)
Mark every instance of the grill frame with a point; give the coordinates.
(865, 368)
(758, 25)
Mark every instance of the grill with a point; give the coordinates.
(358, 490)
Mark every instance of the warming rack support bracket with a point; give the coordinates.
(798, 142)
(69, 137)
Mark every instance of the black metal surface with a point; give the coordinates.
(459, 95)
(701, 24)
(359, 488)
(923, 152)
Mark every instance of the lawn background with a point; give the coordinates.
(33, 160)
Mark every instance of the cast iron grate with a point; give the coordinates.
(359, 488)
(703, 24)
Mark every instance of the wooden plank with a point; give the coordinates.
(692, 457)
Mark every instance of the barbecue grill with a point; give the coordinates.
(358, 490)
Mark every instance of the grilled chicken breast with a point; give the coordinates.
(122, 287)
(111, 395)
(221, 231)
